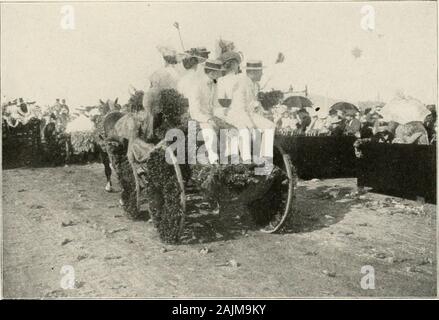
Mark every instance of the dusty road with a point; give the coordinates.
(53, 217)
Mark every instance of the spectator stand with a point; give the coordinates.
(321, 157)
(402, 170)
(21, 145)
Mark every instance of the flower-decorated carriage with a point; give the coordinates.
(163, 187)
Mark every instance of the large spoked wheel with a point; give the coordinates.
(274, 209)
(162, 189)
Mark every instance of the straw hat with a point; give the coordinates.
(215, 65)
(254, 65)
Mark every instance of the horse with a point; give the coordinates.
(106, 135)
(109, 114)
(105, 119)
(119, 131)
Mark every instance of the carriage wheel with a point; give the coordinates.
(273, 210)
(164, 194)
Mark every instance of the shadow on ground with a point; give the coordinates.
(315, 208)
(321, 207)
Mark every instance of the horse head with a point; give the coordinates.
(109, 105)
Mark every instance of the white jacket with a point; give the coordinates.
(200, 91)
(244, 101)
(244, 97)
(226, 85)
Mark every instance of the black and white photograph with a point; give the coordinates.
(219, 150)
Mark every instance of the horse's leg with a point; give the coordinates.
(67, 159)
(106, 161)
(136, 177)
(136, 181)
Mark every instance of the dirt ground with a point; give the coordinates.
(55, 217)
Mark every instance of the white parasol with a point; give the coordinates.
(403, 110)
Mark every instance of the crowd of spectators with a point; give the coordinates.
(367, 123)
(19, 112)
(310, 121)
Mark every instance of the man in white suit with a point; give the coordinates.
(243, 112)
(200, 90)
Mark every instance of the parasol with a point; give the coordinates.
(298, 102)
(403, 110)
(344, 106)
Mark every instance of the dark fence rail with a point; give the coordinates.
(321, 156)
(21, 145)
(403, 170)
(407, 171)
(24, 146)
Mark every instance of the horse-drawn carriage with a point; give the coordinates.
(163, 188)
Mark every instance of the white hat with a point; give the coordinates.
(213, 65)
(166, 51)
(254, 65)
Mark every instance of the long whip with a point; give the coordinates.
(177, 26)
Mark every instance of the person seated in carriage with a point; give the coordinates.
(243, 112)
(201, 94)
(203, 53)
(193, 64)
(166, 77)
(231, 61)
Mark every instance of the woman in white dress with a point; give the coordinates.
(231, 61)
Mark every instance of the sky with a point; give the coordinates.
(113, 46)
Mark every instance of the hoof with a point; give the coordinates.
(108, 188)
(121, 202)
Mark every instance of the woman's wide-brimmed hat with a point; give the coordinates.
(230, 55)
(202, 51)
(215, 65)
(254, 65)
(167, 51)
(197, 53)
